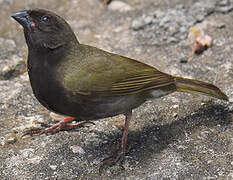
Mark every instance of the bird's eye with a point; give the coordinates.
(45, 18)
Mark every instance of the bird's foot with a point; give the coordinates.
(62, 125)
(121, 153)
(112, 160)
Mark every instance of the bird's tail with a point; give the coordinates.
(194, 86)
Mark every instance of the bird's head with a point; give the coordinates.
(44, 29)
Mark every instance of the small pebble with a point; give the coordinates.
(8, 139)
(6, 68)
(230, 175)
(202, 104)
(175, 106)
(172, 40)
(53, 167)
(223, 3)
(183, 59)
(11, 140)
(175, 114)
(119, 6)
(77, 149)
(140, 23)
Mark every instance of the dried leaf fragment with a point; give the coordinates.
(199, 40)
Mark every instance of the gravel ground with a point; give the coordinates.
(180, 136)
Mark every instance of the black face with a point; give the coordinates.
(44, 28)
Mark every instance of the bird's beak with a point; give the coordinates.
(22, 18)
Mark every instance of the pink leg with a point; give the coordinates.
(113, 160)
(63, 125)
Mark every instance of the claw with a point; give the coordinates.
(111, 161)
(63, 125)
(32, 132)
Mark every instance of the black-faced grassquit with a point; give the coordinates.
(87, 83)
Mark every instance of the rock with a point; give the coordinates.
(8, 44)
(8, 139)
(183, 59)
(172, 40)
(53, 167)
(176, 106)
(224, 6)
(119, 6)
(224, 9)
(223, 3)
(174, 114)
(230, 176)
(142, 22)
(77, 149)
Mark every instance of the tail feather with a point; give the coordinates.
(192, 86)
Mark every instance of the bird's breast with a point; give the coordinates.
(44, 83)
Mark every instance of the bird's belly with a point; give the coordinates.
(54, 99)
(110, 106)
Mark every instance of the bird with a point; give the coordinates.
(85, 83)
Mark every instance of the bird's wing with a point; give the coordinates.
(113, 75)
(140, 83)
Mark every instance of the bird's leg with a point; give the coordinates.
(119, 156)
(62, 125)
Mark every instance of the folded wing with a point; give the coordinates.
(108, 74)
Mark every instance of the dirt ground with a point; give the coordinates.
(180, 136)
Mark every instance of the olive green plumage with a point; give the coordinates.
(107, 74)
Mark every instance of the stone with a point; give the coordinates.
(119, 6)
